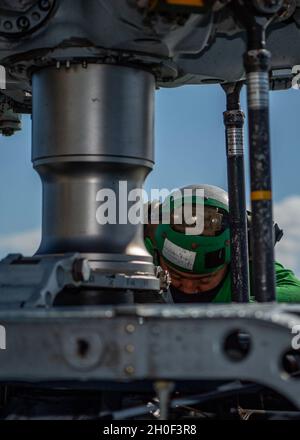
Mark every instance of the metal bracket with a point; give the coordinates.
(36, 281)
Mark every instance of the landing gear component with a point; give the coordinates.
(256, 18)
(234, 123)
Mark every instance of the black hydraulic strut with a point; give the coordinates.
(256, 15)
(234, 123)
(257, 66)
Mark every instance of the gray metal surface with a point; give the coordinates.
(149, 342)
(185, 51)
(37, 282)
(92, 129)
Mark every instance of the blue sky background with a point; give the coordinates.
(190, 148)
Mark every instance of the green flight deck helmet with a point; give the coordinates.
(185, 247)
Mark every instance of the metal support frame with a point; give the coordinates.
(234, 124)
(103, 345)
(39, 281)
(257, 66)
(256, 18)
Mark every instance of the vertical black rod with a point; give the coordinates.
(257, 64)
(234, 125)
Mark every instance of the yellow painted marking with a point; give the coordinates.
(261, 195)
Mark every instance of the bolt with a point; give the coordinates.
(45, 5)
(7, 25)
(130, 328)
(35, 16)
(130, 348)
(129, 370)
(23, 23)
(81, 270)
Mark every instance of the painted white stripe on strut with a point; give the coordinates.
(179, 256)
(258, 90)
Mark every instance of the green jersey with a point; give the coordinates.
(287, 287)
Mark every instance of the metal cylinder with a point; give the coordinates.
(92, 129)
(257, 67)
(234, 124)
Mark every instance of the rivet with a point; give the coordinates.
(23, 23)
(8, 25)
(130, 328)
(129, 370)
(45, 5)
(130, 348)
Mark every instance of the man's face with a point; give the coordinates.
(192, 283)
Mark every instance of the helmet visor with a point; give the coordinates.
(208, 221)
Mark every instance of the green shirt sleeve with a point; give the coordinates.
(287, 285)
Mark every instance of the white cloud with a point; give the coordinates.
(25, 243)
(287, 215)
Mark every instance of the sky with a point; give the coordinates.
(190, 148)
